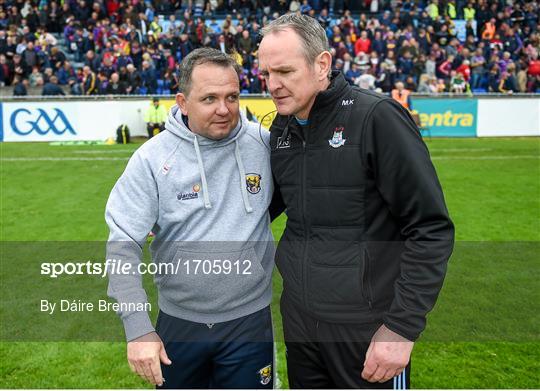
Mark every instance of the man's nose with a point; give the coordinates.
(274, 83)
(222, 109)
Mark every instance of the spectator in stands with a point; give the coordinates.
(155, 117)
(445, 68)
(170, 82)
(465, 70)
(493, 79)
(74, 86)
(133, 79)
(57, 58)
(521, 75)
(5, 72)
(363, 44)
(65, 73)
(410, 84)
(257, 83)
(478, 68)
(508, 82)
(51, 88)
(353, 74)
(18, 67)
(34, 76)
(338, 66)
(367, 80)
(102, 83)
(457, 82)
(489, 30)
(469, 12)
(107, 68)
(402, 95)
(89, 81)
(91, 60)
(441, 86)
(423, 85)
(246, 47)
(30, 56)
(20, 85)
(113, 35)
(47, 74)
(115, 86)
(148, 78)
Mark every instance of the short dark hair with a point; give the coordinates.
(199, 57)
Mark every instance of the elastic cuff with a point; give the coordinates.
(399, 330)
(137, 325)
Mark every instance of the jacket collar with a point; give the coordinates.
(335, 90)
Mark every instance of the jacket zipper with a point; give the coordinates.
(306, 234)
(367, 280)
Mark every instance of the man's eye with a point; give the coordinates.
(233, 98)
(209, 99)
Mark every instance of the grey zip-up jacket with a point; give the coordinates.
(207, 203)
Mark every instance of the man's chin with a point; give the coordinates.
(284, 110)
(219, 134)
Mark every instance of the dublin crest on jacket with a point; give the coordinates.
(337, 139)
(265, 374)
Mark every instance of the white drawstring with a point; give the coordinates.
(206, 195)
(242, 173)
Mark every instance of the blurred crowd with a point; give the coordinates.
(87, 47)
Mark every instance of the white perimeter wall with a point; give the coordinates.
(92, 120)
(508, 117)
(89, 120)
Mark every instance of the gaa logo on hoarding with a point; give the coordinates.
(24, 122)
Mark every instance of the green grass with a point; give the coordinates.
(483, 333)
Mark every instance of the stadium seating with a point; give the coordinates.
(404, 43)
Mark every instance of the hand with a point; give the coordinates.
(144, 355)
(388, 354)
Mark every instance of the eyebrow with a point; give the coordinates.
(219, 93)
(279, 68)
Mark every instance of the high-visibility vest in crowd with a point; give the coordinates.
(451, 10)
(469, 13)
(489, 31)
(402, 97)
(433, 11)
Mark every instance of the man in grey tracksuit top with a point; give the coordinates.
(206, 200)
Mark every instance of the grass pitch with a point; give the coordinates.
(483, 333)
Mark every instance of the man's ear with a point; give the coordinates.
(181, 102)
(323, 63)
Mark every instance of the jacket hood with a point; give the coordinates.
(175, 124)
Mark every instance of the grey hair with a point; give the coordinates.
(199, 57)
(311, 33)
